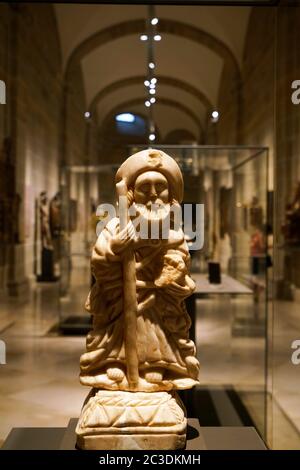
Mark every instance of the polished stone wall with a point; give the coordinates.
(287, 132)
(38, 97)
(74, 152)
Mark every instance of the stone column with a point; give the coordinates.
(17, 283)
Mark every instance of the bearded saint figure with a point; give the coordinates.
(139, 340)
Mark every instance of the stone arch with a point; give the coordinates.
(165, 26)
(164, 101)
(177, 135)
(136, 26)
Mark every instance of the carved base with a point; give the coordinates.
(117, 420)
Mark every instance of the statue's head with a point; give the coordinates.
(150, 196)
(151, 187)
(152, 182)
(43, 197)
(150, 176)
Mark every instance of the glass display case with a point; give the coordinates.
(230, 304)
(83, 188)
(285, 334)
(231, 309)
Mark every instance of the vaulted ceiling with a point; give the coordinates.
(196, 43)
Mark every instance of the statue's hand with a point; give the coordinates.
(174, 271)
(123, 239)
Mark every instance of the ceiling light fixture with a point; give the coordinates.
(154, 21)
(143, 37)
(157, 37)
(215, 116)
(152, 137)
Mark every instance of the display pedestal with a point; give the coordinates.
(228, 286)
(76, 325)
(47, 265)
(120, 420)
(214, 273)
(198, 438)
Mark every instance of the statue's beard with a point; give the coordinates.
(151, 212)
(154, 220)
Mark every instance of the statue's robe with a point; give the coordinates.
(162, 319)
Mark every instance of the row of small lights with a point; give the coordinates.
(151, 85)
(151, 82)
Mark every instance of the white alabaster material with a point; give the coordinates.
(139, 341)
(129, 420)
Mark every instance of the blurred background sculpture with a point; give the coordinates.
(44, 265)
(139, 342)
(45, 232)
(256, 213)
(55, 223)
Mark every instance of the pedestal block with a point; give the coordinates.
(118, 420)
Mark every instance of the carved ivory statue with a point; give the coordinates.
(139, 352)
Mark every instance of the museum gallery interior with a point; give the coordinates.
(192, 107)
